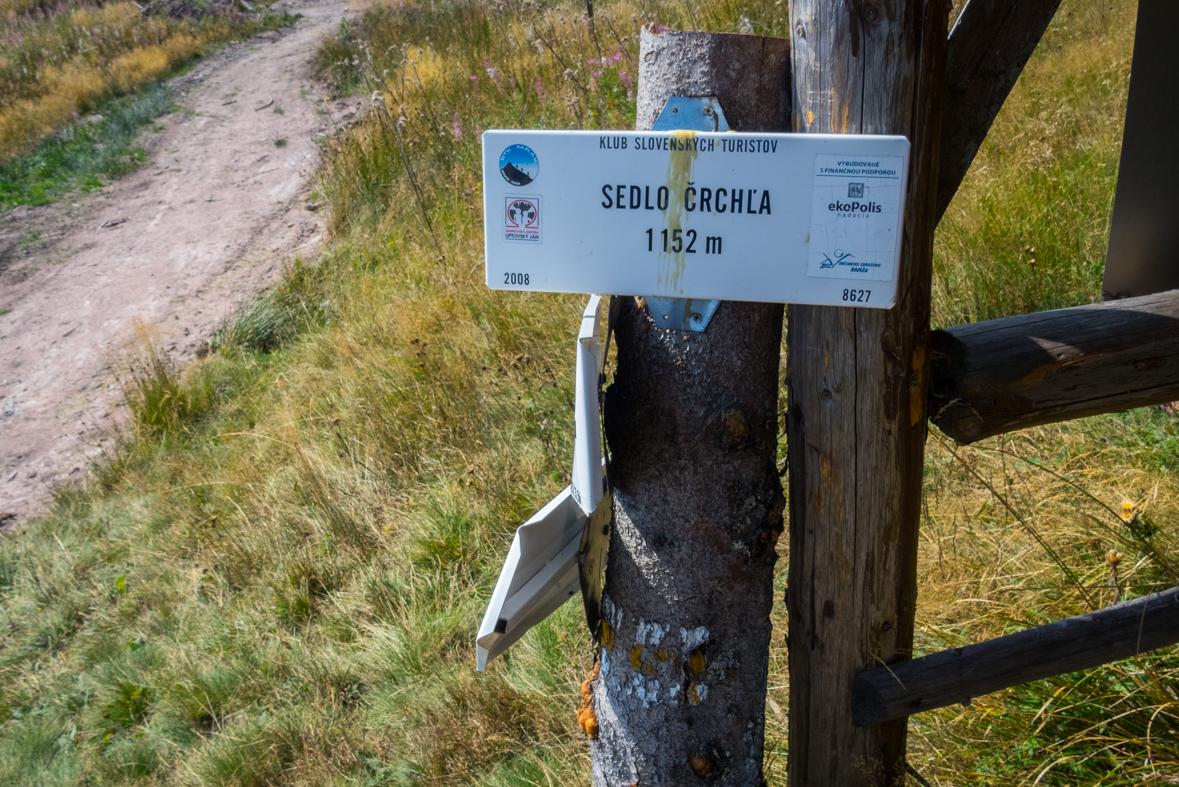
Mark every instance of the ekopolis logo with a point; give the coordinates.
(855, 207)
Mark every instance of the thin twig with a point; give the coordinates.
(589, 13)
(416, 190)
(909, 769)
(425, 99)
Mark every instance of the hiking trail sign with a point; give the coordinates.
(683, 217)
(778, 218)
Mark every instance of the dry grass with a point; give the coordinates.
(61, 60)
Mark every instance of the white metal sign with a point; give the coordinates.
(788, 218)
(587, 435)
(539, 575)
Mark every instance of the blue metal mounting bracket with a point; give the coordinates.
(681, 314)
(682, 113)
(691, 114)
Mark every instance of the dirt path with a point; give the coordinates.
(175, 245)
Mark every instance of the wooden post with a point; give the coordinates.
(857, 382)
(960, 674)
(1001, 375)
(691, 423)
(989, 46)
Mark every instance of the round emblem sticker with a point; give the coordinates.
(519, 165)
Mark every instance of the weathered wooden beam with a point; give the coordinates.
(989, 46)
(1000, 375)
(960, 674)
(857, 390)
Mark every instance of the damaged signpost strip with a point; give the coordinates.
(541, 571)
(681, 217)
(681, 214)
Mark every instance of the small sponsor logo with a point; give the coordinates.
(839, 258)
(855, 191)
(855, 207)
(522, 219)
(519, 165)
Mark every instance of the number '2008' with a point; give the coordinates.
(856, 296)
(516, 278)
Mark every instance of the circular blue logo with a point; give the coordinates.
(519, 165)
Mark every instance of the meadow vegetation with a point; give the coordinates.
(82, 154)
(277, 578)
(60, 61)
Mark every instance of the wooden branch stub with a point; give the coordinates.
(960, 674)
(989, 46)
(1000, 375)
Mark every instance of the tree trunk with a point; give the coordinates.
(857, 382)
(691, 422)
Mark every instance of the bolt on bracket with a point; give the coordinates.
(681, 314)
(681, 113)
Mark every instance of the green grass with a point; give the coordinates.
(81, 155)
(1027, 230)
(277, 578)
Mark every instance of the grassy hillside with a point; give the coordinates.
(60, 61)
(277, 579)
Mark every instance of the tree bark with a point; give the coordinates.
(691, 423)
(857, 382)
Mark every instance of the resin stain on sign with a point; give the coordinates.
(679, 176)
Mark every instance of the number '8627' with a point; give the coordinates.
(516, 278)
(856, 296)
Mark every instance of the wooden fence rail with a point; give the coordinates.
(960, 674)
(989, 45)
(996, 376)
